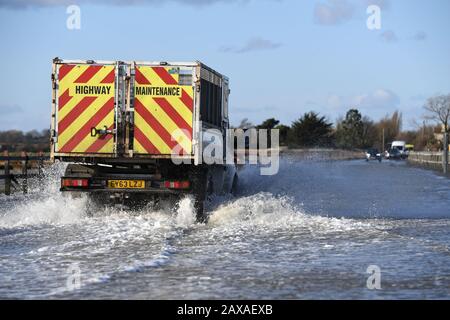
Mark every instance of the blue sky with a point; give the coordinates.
(283, 57)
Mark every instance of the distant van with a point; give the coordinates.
(400, 146)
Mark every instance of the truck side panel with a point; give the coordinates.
(163, 110)
(85, 95)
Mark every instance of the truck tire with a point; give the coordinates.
(234, 185)
(200, 184)
(199, 207)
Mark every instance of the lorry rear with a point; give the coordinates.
(134, 132)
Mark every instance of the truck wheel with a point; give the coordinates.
(199, 200)
(234, 185)
(200, 191)
(199, 207)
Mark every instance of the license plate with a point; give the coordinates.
(126, 184)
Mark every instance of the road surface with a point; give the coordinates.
(311, 231)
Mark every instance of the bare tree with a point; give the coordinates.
(391, 125)
(438, 108)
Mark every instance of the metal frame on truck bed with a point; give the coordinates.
(123, 81)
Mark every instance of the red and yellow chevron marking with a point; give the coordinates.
(85, 100)
(163, 112)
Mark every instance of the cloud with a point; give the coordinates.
(333, 12)
(10, 109)
(383, 4)
(254, 110)
(418, 97)
(389, 36)
(23, 118)
(12, 117)
(379, 99)
(22, 4)
(335, 102)
(253, 44)
(420, 36)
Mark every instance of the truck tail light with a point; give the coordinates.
(176, 184)
(74, 182)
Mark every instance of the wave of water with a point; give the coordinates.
(47, 205)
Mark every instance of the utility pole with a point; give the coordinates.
(445, 154)
(423, 131)
(7, 174)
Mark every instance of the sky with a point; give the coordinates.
(283, 57)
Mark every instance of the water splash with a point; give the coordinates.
(44, 204)
(266, 210)
(185, 215)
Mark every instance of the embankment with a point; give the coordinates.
(323, 154)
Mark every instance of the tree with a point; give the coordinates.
(32, 141)
(438, 108)
(350, 131)
(268, 124)
(245, 124)
(284, 133)
(369, 133)
(310, 130)
(32, 135)
(392, 127)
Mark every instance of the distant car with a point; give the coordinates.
(373, 154)
(394, 154)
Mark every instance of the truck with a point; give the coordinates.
(135, 132)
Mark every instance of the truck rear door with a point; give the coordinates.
(85, 109)
(163, 109)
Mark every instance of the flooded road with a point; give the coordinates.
(309, 232)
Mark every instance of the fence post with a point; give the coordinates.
(25, 172)
(445, 154)
(7, 174)
(40, 164)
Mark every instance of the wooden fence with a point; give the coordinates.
(431, 160)
(22, 163)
